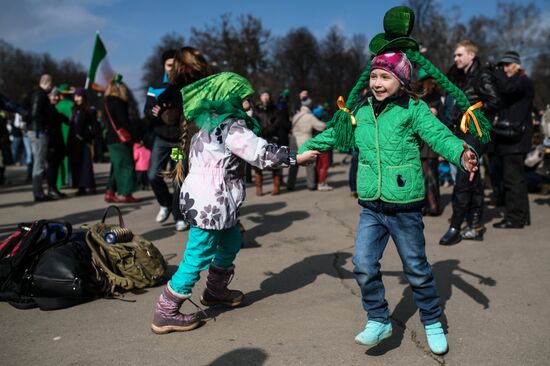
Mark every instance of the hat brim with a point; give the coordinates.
(379, 44)
(508, 60)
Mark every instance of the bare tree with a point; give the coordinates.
(21, 70)
(236, 47)
(296, 57)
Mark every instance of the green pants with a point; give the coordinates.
(122, 178)
(219, 247)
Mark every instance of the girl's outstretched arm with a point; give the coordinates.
(256, 151)
(321, 142)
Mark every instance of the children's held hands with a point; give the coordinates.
(155, 110)
(307, 157)
(469, 160)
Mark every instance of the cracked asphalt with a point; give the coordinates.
(302, 304)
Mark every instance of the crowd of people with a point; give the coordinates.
(409, 137)
(58, 134)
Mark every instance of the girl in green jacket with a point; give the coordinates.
(389, 125)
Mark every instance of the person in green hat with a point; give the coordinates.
(214, 189)
(65, 107)
(387, 126)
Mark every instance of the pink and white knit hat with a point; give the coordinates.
(396, 63)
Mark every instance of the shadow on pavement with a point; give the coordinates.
(242, 356)
(160, 233)
(261, 208)
(542, 201)
(447, 275)
(293, 278)
(301, 274)
(267, 224)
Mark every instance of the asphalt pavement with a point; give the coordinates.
(302, 304)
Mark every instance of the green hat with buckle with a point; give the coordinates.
(398, 26)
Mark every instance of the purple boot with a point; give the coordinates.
(216, 291)
(167, 317)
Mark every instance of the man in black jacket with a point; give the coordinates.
(38, 127)
(478, 84)
(512, 135)
(166, 137)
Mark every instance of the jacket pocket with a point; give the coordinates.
(367, 181)
(402, 183)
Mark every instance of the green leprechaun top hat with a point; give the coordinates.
(398, 25)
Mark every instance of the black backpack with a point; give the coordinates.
(45, 265)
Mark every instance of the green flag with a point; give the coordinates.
(100, 72)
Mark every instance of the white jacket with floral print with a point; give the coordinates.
(214, 189)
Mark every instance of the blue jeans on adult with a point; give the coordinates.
(160, 157)
(21, 150)
(407, 231)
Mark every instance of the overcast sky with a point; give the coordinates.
(131, 29)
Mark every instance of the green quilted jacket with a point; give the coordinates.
(389, 155)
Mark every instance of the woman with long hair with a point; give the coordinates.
(122, 178)
(82, 130)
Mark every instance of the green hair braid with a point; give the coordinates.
(341, 121)
(458, 95)
(357, 90)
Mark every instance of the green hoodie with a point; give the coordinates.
(389, 157)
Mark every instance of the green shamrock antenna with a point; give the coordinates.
(398, 26)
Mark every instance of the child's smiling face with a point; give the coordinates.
(383, 84)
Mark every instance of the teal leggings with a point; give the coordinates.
(219, 247)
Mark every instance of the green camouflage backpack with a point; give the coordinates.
(129, 261)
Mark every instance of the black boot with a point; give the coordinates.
(452, 236)
(55, 193)
(475, 230)
(38, 192)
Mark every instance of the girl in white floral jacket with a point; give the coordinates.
(213, 191)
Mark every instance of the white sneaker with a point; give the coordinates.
(163, 214)
(181, 225)
(324, 187)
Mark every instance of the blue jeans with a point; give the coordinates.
(406, 230)
(21, 144)
(160, 157)
(219, 247)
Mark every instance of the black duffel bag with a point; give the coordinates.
(45, 265)
(64, 276)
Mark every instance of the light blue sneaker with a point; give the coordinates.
(374, 333)
(436, 338)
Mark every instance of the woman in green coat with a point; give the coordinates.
(122, 177)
